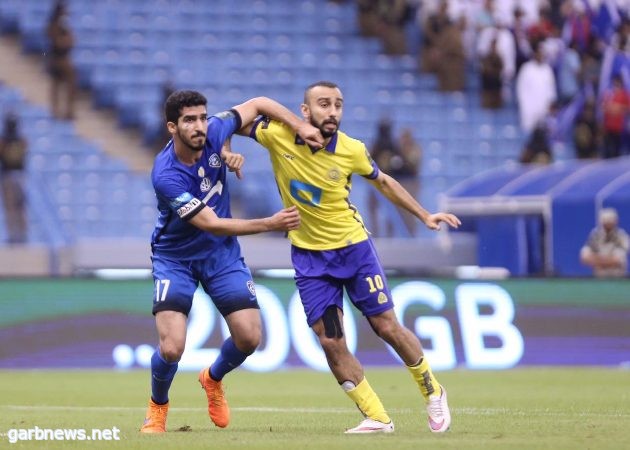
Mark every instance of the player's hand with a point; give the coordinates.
(233, 161)
(285, 220)
(311, 135)
(434, 220)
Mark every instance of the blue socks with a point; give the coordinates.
(229, 359)
(162, 374)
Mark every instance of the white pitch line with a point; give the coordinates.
(185, 409)
(263, 409)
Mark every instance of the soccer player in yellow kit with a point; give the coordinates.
(332, 250)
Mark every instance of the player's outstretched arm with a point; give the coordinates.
(284, 220)
(267, 107)
(399, 196)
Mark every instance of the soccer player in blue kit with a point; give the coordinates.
(331, 250)
(194, 243)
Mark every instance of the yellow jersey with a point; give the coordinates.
(318, 183)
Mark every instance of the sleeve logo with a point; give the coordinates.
(188, 207)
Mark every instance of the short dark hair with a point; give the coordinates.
(178, 100)
(328, 84)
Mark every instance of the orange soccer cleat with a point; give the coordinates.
(155, 420)
(218, 408)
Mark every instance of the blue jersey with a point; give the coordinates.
(182, 191)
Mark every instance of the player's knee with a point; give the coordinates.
(171, 352)
(333, 344)
(335, 349)
(387, 330)
(247, 343)
(247, 338)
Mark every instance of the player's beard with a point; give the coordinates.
(189, 142)
(320, 126)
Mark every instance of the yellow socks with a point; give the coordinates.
(425, 379)
(367, 400)
(369, 403)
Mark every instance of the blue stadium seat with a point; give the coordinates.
(9, 16)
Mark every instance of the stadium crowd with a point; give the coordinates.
(565, 63)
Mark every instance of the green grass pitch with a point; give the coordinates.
(538, 408)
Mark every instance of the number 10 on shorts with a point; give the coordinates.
(376, 283)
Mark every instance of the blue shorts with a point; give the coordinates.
(231, 288)
(321, 276)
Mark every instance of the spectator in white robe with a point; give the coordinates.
(535, 90)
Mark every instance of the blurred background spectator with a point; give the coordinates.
(586, 133)
(606, 249)
(535, 90)
(522, 45)
(491, 70)
(368, 17)
(384, 150)
(590, 66)
(433, 25)
(537, 149)
(409, 173)
(395, 15)
(568, 73)
(12, 165)
(399, 158)
(451, 57)
(60, 65)
(386, 20)
(616, 109)
(505, 48)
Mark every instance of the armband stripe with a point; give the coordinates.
(190, 209)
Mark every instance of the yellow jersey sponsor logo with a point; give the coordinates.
(334, 174)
